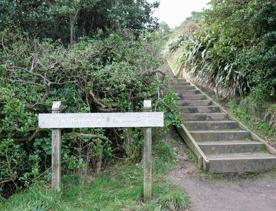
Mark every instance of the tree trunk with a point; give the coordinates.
(73, 20)
(72, 29)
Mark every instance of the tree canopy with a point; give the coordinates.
(55, 18)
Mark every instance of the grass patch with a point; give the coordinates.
(191, 155)
(174, 62)
(251, 121)
(119, 188)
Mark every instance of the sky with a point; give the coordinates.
(174, 12)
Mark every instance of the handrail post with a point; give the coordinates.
(147, 157)
(56, 151)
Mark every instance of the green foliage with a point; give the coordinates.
(176, 200)
(168, 105)
(118, 189)
(54, 18)
(163, 163)
(111, 68)
(234, 47)
(109, 74)
(252, 113)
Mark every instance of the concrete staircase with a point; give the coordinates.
(221, 143)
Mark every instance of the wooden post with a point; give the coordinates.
(56, 151)
(147, 157)
(145, 120)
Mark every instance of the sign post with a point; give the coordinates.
(56, 151)
(57, 121)
(147, 157)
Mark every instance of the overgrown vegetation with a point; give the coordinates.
(119, 188)
(69, 20)
(250, 113)
(98, 75)
(232, 46)
(94, 56)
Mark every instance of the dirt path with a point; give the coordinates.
(218, 193)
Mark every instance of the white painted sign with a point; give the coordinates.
(101, 120)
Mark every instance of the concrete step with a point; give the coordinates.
(241, 162)
(200, 109)
(211, 125)
(187, 92)
(220, 135)
(204, 116)
(182, 87)
(215, 147)
(182, 83)
(226, 147)
(194, 102)
(192, 97)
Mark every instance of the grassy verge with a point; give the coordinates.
(174, 62)
(119, 188)
(251, 121)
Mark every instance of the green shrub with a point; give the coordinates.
(253, 114)
(95, 75)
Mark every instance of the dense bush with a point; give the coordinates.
(69, 20)
(233, 47)
(95, 75)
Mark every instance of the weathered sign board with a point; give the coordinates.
(101, 120)
(57, 121)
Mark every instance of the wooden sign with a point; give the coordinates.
(101, 120)
(56, 121)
